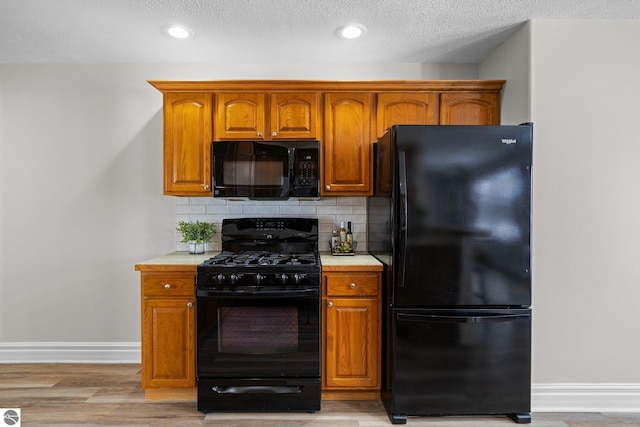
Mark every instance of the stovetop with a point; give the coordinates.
(261, 259)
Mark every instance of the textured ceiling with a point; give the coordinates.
(276, 31)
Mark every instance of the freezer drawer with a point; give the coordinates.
(460, 362)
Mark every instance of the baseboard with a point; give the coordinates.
(551, 397)
(585, 397)
(70, 352)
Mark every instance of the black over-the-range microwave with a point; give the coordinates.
(265, 169)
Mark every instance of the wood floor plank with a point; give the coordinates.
(65, 395)
(28, 381)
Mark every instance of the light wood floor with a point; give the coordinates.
(110, 395)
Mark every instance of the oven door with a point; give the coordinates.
(244, 333)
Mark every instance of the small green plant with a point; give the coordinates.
(198, 231)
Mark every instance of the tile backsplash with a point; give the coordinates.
(329, 211)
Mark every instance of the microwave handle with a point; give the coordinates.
(288, 185)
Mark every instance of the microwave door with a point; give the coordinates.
(250, 169)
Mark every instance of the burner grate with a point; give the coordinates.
(249, 258)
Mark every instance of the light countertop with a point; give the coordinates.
(188, 262)
(180, 261)
(359, 261)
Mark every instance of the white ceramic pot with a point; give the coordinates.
(196, 248)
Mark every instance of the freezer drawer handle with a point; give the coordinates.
(436, 318)
(255, 389)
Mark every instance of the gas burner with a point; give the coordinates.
(248, 258)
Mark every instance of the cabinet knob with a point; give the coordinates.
(352, 286)
(167, 286)
(329, 304)
(189, 304)
(206, 187)
(274, 133)
(328, 188)
(260, 134)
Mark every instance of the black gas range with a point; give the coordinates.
(258, 318)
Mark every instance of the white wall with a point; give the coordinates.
(81, 188)
(511, 61)
(585, 91)
(581, 91)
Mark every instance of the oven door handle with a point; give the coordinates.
(258, 390)
(284, 293)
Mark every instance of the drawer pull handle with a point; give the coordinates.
(167, 286)
(352, 286)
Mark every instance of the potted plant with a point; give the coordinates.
(196, 234)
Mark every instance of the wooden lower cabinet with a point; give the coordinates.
(351, 335)
(168, 334)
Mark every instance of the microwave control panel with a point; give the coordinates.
(306, 171)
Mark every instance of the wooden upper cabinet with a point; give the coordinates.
(347, 145)
(406, 109)
(466, 108)
(187, 143)
(245, 115)
(240, 115)
(295, 115)
(346, 117)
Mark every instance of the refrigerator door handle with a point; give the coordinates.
(438, 318)
(402, 183)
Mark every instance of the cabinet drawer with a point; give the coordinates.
(360, 284)
(168, 285)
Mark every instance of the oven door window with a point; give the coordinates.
(258, 336)
(258, 330)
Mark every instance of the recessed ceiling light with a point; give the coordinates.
(178, 31)
(351, 31)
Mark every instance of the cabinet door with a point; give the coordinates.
(240, 116)
(347, 147)
(294, 115)
(469, 108)
(168, 343)
(351, 353)
(187, 144)
(406, 109)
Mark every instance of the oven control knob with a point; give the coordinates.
(259, 278)
(296, 278)
(219, 279)
(233, 279)
(284, 278)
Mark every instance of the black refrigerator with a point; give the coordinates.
(450, 219)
